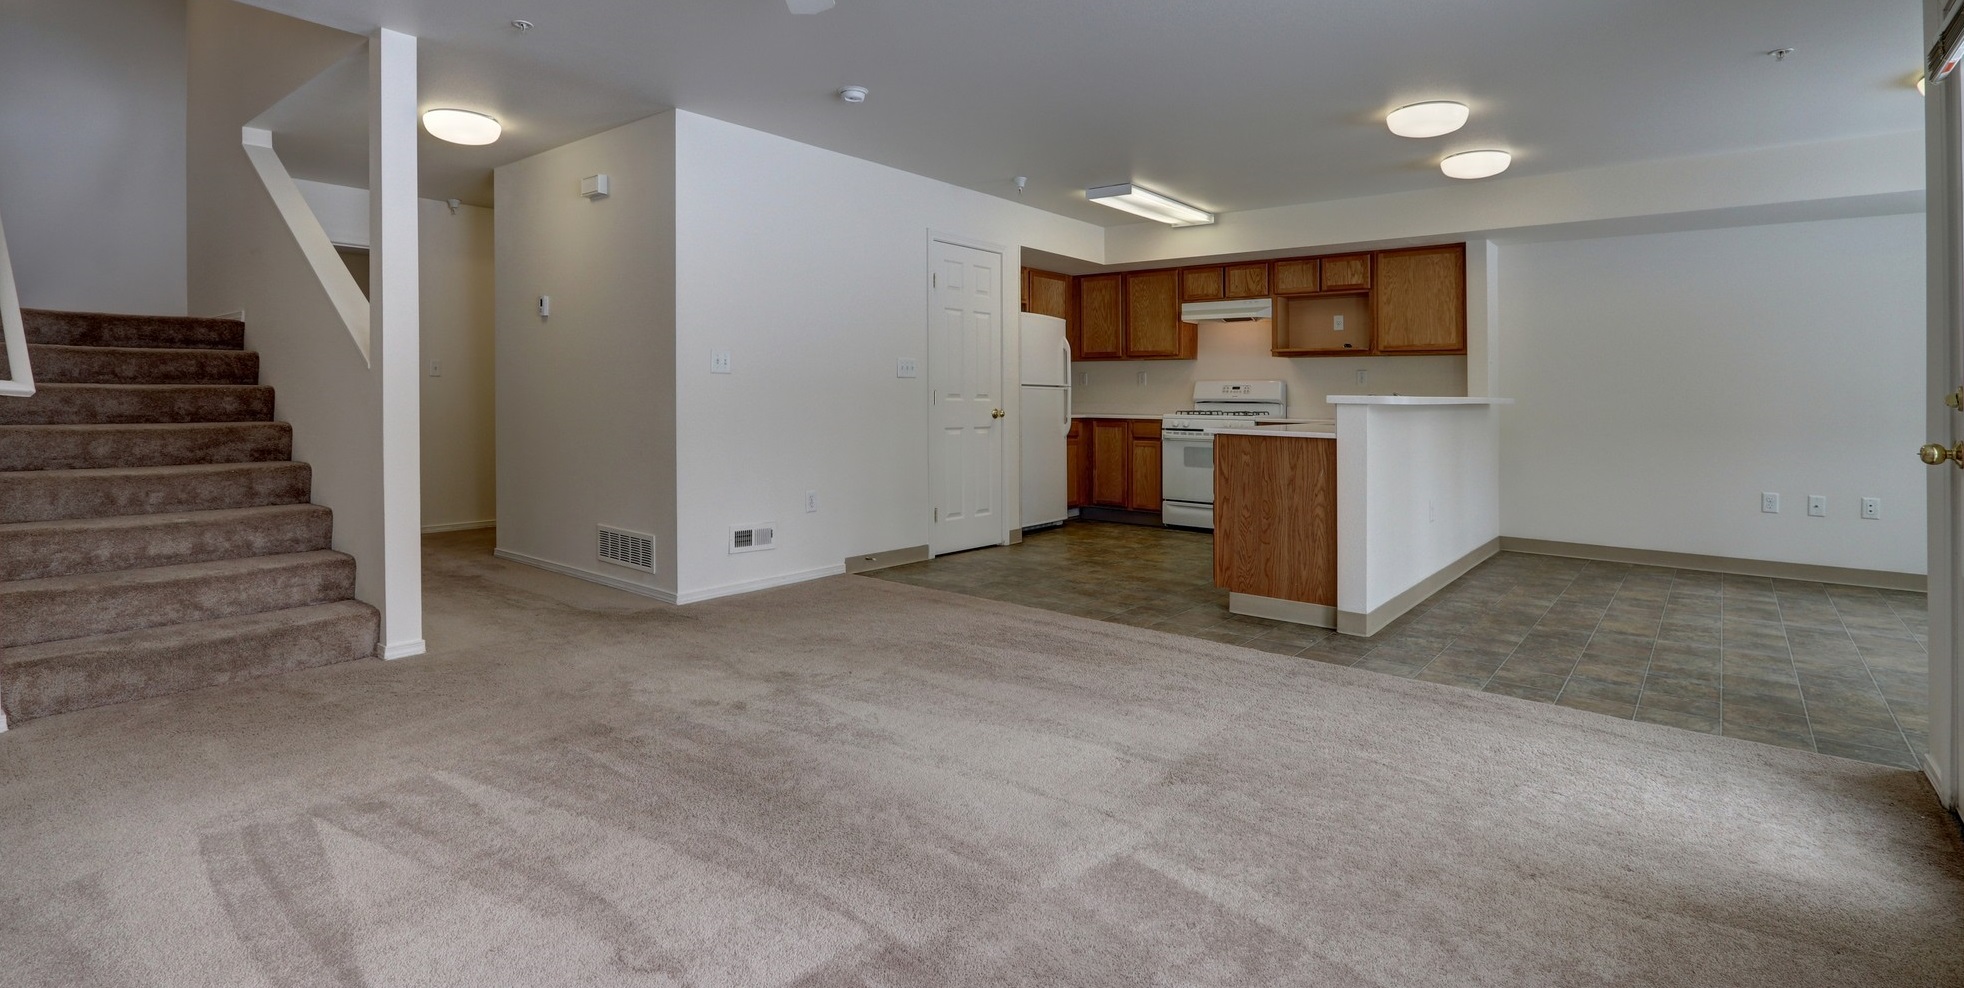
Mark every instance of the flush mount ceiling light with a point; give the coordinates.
(461, 126)
(1429, 119)
(1476, 164)
(1149, 204)
(853, 94)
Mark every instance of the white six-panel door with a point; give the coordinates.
(965, 396)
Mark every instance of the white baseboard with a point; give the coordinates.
(460, 526)
(751, 586)
(1936, 779)
(403, 650)
(588, 575)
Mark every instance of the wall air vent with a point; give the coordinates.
(751, 538)
(633, 550)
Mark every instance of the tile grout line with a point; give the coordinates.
(1870, 670)
(1799, 690)
(1593, 632)
(1537, 623)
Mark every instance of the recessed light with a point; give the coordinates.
(461, 126)
(1476, 164)
(1428, 119)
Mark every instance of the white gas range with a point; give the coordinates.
(1187, 442)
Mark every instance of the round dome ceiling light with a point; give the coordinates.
(1476, 164)
(1430, 119)
(461, 126)
(853, 94)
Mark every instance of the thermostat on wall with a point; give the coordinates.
(595, 187)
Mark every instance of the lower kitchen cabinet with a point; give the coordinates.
(1114, 464)
(1077, 487)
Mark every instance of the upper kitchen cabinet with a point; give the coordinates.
(1206, 284)
(1419, 303)
(1047, 293)
(1152, 317)
(1297, 276)
(1347, 273)
(1247, 280)
(1101, 317)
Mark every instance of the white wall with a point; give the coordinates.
(458, 330)
(460, 483)
(586, 426)
(811, 268)
(1230, 351)
(92, 152)
(1663, 381)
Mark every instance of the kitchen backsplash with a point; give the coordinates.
(1239, 350)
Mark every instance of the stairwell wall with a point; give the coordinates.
(242, 257)
(92, 152)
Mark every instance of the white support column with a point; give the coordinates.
(1482, 318)
(394, 259)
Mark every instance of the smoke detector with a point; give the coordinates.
(853, 94)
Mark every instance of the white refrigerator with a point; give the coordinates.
(1046, 360)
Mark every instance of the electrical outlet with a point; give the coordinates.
(1336, 324)
(1142, 377)
(1769, 502)
(1360, 375)
(1817, 506)
(811, 501)
(908, 367)
(1084, 377)
(545, 306)
(1871, 508)
(719, 361)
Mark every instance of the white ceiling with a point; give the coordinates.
(1230, 105)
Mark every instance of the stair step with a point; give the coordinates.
(77, 673)
(55, 364)
(41, 495)
(119, 330)
(150, 444)
(34, 550)
(78, 606)
(84, 404)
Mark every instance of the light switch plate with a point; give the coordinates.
(907, 367)
(719, 361)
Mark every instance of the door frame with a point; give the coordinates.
(1944, 226)
(1009, 492)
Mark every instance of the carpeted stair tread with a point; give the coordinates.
(60, 676)
(38, 549)
(76, 606)
(40, 495)
(58, 364)
(142, 444)
(105, 403)
(122, 330)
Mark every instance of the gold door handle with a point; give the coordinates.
(999, 413)
(1936, 453)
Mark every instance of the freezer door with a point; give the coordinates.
(1046, 356)
(1046, 420)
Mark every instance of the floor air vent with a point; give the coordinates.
(624, 548)
(750, 538)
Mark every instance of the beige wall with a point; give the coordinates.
(92, 152)
(460, 484)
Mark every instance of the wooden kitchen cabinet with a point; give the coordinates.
(1297, 276)
(1215, 282)
(1144, 493)
(1419, 302)
(1047, 293)
(1110, 457)
(1077, 487)
(1307, 325)
(1247, 280)
(1347, 273)
(1206, 284)
(1275, 517)
(1101, 317)
(1152, 317)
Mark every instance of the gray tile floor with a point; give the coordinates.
(1836, 669)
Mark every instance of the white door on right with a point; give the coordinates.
(966, 407)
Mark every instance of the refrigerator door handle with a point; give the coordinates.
(1065, 346)
(1067, 413)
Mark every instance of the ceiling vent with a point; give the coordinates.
(751, 538)
(630, 549)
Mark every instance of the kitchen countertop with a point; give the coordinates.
(1153, 417)
(1412, 400)
(1294, 430)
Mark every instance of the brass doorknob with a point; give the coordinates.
(1936, 453)
(999, 413)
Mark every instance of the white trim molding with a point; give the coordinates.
(403, 650)
(460, 526)
(766, 583)
(576, 573)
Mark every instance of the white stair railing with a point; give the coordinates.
(20, 382)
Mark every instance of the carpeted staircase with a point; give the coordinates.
(155, 532)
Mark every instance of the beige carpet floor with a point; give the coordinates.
(858, 783)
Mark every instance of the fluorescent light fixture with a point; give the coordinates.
(461, 126)
(1149, 204)
(1476, 164)
(1430, 119)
